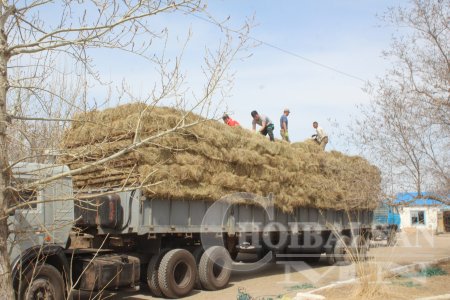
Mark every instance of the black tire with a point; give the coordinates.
(215, 268)
(339, 252)
(176, 273)
(42, 282)
(197, 253)
(152, 273)
(234, 255)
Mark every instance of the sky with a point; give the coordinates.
(345, 35)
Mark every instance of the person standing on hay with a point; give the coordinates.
(229, 121)
(284, 125)
(266, 124)
(320, 137)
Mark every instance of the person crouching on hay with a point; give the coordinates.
(266, 124)
(229, 121)
(320, 137)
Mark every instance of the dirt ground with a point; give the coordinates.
(419, 282)
(430, 281)
(283, 280)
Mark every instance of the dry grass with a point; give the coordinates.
(211, 160)
(371, 284)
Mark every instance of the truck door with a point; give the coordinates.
(27, 219)
(58, 212)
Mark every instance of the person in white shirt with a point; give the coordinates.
(320, 137)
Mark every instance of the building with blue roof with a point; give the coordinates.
(423, 212)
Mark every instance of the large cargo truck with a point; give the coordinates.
(68, 240)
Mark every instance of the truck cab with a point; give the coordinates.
(39, 230)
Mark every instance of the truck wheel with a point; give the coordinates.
(197, 253)
(43, 282)
(215, 268)
(176, 273)
(339, 253)
(152, 273)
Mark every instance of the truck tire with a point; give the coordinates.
(197, 253)
(215, 268)
(176, 273)
(42, 282)
(152, 273)
(339, 253)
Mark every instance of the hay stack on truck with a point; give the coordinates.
(172, 215)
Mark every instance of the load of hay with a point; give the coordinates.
(211, 160)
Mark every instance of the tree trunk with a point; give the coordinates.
(6, 286)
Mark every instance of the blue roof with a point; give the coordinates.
(408, 199)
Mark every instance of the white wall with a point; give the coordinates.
(430, 217)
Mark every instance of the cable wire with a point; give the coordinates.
(281, 49)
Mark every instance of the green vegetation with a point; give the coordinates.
(426, 272)
(302, 286)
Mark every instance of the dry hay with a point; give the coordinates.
(211, 160)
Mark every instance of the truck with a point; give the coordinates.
(386, 223)
(68, 240)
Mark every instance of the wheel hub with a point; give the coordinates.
(40, 289)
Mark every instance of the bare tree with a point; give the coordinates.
(406, 127)
(37, 124)
(38, 97)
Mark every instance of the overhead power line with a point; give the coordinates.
(291, 53)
